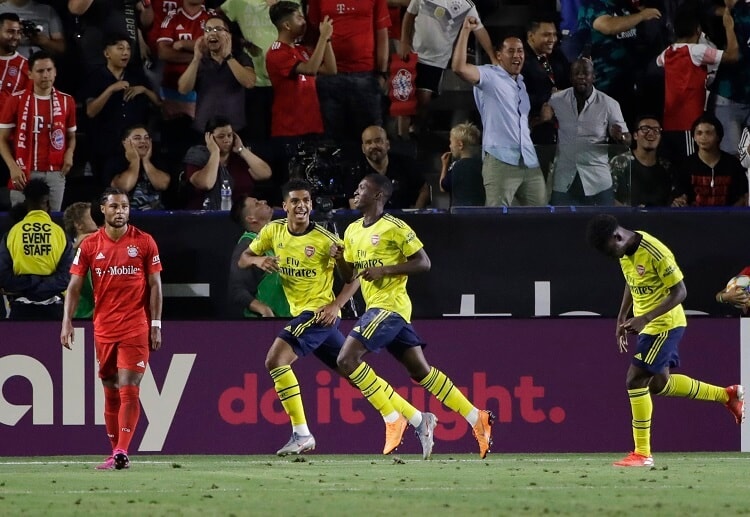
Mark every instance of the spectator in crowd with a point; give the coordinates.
(218, 77)
(731, 89)
(545, 71)
(587, 117)
(646, 180)
(351, 100)
(79, 225)
(430, 32)
(258, 32)
(410, 189)
(461, 171)
(710, 177)
(14, 75)
(617, 48)
(14, 68)
(41, 28)
(743, 149)
(177, 37)
(689, 64)
(133, 171)
(41, 121)
(296, 110)
(117, 97)
(35, 256)
(253, 293)
(224, 158)
(573, 40)
(95, 19)
(510, 168)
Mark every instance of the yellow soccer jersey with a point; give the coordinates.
(650, 272)
(386, 242)
(305, 263)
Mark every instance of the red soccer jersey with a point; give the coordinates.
(686, 67)
(161, 9)
(295, 110)
(178, 25)
(14, 75)
(119, 270)
(41, 122)
(355, 24)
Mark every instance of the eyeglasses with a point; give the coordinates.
(649, 129)
(209, 30)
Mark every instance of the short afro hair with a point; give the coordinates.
(599, 230)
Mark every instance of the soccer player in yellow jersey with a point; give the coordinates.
(654, 290)
(382, 251)
(303, 256)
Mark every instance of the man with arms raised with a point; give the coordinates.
(126, 272)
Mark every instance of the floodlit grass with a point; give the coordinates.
(687, 484)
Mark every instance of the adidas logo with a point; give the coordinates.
(357, 329)
(180, 27)
(638, 356)
(100, 256)
(141, 364)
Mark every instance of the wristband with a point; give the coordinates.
(156, 323)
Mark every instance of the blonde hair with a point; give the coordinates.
(72, 215)
(468, 133)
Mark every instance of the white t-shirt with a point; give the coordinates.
(436, 27)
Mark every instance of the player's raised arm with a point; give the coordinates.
(72, 296)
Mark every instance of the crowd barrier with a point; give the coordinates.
(556, 385)
(514, 262)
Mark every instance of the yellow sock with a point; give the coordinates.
(287, 387)
(400, 404)
(641, 407)
(442, 387)
(378, 392)
(683, 386)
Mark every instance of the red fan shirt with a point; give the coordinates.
(178, 25)
(41, 123)
(119, 270)
(355, 24)
(295, 110)
(14, 75)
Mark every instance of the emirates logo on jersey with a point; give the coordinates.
(309, 251)
(375, 239)
(640, 269)
(132, 251)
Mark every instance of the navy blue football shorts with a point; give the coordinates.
(656, 353)
(305, 336)
(378, 329)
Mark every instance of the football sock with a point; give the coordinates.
(641, 407)
(442, 387)
(378, 392)
(683, 386)
(130, 410)
(400, 404)
(112, 414)
(287, 387)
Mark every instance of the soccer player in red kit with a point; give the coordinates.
(125, 269)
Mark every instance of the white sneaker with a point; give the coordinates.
(297, 445)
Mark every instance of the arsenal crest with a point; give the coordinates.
(640, 269)
(375, 239)
(309, 251)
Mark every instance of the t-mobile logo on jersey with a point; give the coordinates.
(340, 8)
(123, 270)
(38, 124)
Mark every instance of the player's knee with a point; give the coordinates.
(346, 364)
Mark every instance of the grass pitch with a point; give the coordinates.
(327, 485)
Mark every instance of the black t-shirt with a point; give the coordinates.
(645, 185)
(405, 175)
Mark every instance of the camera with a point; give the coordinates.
(323, 165)
(30, 28)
